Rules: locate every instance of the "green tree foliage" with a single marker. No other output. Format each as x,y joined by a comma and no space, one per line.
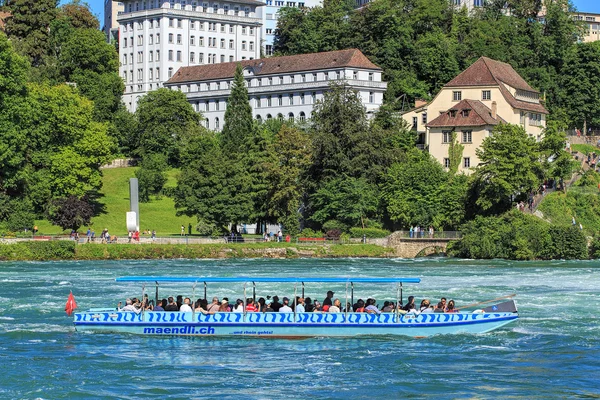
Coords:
238,124
411,190
70,212
345,199
557,161
292,148
29,26
151,176
164,117
455,152
509,166
79,15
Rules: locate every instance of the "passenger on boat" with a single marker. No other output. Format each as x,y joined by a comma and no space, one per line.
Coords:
201,306
359,306
268,308
224,307
286,306
185,307
130,307
387,306
439,308
300,305
443,301
214,306
179,301
410,306
308,305
275,304
239,306
317,307
348,307
250,307
171,306
261,305
451,307
425,307
336,307
371,308
327,301
160,305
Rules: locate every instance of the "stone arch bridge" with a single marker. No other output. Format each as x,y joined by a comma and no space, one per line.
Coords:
406,246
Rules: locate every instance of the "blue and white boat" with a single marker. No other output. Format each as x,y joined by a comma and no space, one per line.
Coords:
292,325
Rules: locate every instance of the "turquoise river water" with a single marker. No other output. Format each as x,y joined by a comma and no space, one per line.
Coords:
553,351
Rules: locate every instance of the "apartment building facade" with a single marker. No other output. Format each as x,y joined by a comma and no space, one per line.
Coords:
156,38
487,93
111,13
286,87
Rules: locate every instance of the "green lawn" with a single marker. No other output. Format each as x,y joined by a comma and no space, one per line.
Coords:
158,214
585,148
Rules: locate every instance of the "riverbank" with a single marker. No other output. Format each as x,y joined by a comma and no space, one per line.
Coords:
67,250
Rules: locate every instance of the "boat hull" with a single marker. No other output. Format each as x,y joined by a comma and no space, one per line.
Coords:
289,324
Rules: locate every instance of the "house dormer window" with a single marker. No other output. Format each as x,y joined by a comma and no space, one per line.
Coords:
452,113
465,113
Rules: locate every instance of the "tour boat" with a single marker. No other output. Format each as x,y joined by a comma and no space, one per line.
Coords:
292,325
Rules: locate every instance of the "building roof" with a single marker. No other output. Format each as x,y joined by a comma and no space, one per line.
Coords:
486,71
276,65
478,115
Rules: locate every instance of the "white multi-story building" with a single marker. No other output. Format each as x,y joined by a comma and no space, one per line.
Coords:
270,15
280,87
111,13
156,38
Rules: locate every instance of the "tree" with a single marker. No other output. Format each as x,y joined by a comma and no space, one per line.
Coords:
70,212
345,199
558,163
292,147
29,25
79,15
412,190
164,117
455,152
238,115
509,166
151,176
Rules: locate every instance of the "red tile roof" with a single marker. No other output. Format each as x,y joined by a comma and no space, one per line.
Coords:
478,115
488,72
276,65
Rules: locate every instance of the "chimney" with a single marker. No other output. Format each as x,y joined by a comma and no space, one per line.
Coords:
494,110
419,103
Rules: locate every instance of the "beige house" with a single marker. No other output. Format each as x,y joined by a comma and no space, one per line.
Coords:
471,104
591,31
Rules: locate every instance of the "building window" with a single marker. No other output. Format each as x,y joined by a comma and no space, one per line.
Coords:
170,55
192,40
371,97
269,50
192,57
222,28
291,117
201,41
140,75
140,57
193,25
171,22
231,29
243,45
206,123
446,163
446,136
140,40
522,119
222,58
158,38
457,96
170,38
280,100
302,98
371,76
467,136
151,39
150,74
179,41
314,97
157,55
302,116
125,42
179,23
251,31
230,58
314,77
467,162
231,44
355,75
124,59
424,118
251,46
414,124
170,72
486,94
222,43
217,105
268,101
291,99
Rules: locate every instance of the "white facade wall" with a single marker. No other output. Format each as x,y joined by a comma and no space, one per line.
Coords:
159,37
285,96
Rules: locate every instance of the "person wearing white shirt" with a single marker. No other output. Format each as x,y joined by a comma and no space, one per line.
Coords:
185,307
300,305
286,306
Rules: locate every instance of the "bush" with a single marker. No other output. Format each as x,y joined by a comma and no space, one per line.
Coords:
371,233
334,234
38,251
335,225
568,242
309,233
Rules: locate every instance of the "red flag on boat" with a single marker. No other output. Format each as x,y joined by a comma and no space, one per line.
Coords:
71,304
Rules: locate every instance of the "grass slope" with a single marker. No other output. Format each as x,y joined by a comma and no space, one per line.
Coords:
158,214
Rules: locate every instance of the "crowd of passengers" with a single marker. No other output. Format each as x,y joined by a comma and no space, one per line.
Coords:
301,305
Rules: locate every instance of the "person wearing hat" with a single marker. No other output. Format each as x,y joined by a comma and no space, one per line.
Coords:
224,306
328,301
286,306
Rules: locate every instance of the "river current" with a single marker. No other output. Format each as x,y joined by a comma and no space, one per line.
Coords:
552,351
